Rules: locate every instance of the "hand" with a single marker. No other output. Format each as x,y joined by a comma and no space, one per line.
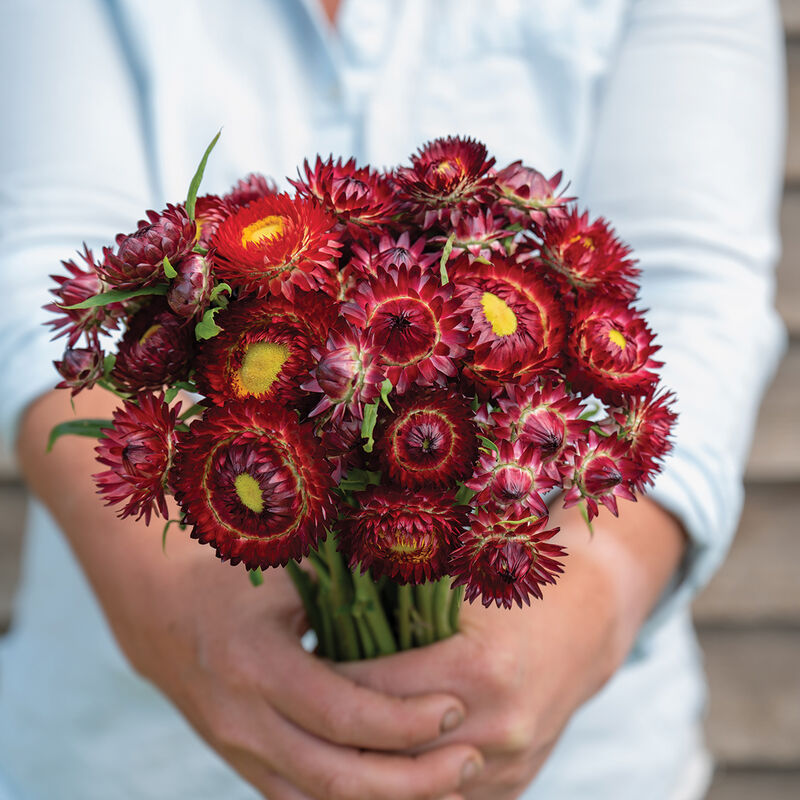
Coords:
523,672
229,655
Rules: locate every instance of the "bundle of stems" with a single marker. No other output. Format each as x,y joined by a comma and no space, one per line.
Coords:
356,617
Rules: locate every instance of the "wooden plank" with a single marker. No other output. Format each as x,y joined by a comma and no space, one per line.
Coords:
758,582
788,295
12,503
754,716
738,784
775,455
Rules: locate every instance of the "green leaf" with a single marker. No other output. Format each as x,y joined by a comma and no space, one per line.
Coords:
448,248
255,575
585,514
179,523
386,389
218,290
207,328
171,394
464,495
191,198
358,479
78,427
117,295
482,260
108,365
187,386
590,411
488,443
368,425
169,270
193,411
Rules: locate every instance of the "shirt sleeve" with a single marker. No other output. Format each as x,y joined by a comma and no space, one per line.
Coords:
73,168
688,164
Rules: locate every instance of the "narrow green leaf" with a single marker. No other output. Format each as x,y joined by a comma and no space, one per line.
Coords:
590,411
488,443
464,495
78,427
191,198
169,270
448,248
193,411
187,386
171,394
386,389
585,514
358,479
218,290
482,260
207,328
117,295
368,425
169,522
256,576
108,365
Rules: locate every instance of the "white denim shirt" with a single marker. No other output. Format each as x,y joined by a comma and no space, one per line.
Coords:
667,117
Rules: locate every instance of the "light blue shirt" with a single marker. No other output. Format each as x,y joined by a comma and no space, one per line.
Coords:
667,115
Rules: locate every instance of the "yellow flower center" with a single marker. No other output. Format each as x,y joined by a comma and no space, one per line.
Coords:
264,228
499,314
260,368
249,492
584,240
148,333
617,338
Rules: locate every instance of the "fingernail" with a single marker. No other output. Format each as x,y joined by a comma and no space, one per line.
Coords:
451,720
470,770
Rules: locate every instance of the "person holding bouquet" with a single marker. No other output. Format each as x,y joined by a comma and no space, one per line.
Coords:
134,675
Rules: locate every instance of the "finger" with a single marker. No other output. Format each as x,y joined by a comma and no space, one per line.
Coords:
313,695
331,772
272,786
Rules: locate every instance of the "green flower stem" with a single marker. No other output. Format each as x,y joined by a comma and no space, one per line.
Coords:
424,597
369,600
404,602
368,647
441,609
456,601
309,594
325,632
341,597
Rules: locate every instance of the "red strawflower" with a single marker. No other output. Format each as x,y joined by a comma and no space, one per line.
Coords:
587,256
156,349
347,373
511,477
253,187
80,285
254,483
278,245
526,194
189,292
516,321
139,258
340,438
80,368
139,450
371,259
446,174
505,563
428,440
610,350
210,212
359,197
479,233
645,424
416,323
603,472
263,351
406,536
544,416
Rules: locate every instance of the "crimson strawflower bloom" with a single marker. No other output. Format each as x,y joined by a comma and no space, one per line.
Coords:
139,258
252,187
263,351
253,482
517,323
278,245
587,256
156,350
603,471
139,450
445,174
358,197
80,285
525,194
645,424
416,323
404,535
512,477
610,349
390,251
428,440
505,563
210,212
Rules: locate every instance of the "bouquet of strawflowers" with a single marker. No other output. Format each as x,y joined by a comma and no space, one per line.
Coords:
389,370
